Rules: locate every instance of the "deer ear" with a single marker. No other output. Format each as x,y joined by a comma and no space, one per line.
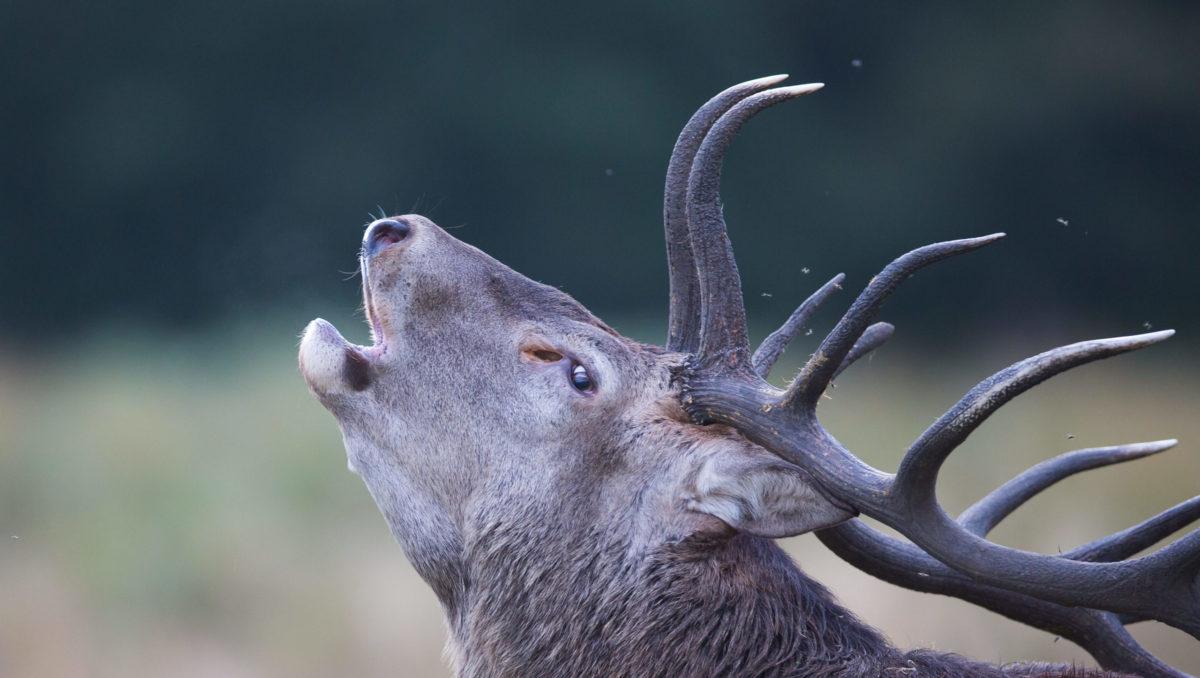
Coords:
758,493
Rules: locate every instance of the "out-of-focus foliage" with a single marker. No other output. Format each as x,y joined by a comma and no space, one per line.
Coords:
177,162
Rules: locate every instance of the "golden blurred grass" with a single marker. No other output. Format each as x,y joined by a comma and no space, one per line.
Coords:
181,507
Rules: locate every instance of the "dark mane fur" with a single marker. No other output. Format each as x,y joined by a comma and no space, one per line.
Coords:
727,606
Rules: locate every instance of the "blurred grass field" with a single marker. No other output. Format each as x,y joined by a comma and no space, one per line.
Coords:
181,507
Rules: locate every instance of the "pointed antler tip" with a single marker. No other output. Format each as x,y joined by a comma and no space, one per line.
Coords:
759,84
797,90
1153,337
968,244
1130,342
1139,450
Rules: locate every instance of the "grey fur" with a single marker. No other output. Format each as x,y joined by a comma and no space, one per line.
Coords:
569,533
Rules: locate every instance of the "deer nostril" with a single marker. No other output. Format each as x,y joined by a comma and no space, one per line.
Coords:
383,233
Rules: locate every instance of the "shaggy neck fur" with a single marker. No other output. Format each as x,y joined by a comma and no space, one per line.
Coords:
705,606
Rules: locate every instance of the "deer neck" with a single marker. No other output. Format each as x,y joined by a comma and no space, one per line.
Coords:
588,604
538,599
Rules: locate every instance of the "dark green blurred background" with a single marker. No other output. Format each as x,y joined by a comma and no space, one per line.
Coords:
184,185
177,164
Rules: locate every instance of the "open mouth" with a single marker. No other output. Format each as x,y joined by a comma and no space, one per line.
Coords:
378,338
382,234
329,362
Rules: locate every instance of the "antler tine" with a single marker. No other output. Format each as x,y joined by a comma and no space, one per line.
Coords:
683,329
1129,541
720,385
1101,634
820,369
872,338
1157,586
911,505
772,347
918,470
988,512
985,514
723,341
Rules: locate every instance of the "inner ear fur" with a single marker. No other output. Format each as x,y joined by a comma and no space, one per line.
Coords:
755,492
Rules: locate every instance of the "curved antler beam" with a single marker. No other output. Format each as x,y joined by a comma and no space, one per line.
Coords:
683,328
723,340
1157,586
720,384
899,562
1101,634
1153,585
919,468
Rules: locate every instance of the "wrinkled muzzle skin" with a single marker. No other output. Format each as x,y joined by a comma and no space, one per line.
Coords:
493,459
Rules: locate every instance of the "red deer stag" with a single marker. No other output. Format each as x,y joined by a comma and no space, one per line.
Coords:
587,505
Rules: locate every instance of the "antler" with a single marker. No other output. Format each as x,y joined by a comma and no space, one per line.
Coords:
723,341
1100,633
683,329
721,384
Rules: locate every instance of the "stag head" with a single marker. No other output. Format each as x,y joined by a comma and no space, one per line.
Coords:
490,398
493,414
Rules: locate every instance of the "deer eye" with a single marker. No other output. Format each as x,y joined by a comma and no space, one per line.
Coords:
580,379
